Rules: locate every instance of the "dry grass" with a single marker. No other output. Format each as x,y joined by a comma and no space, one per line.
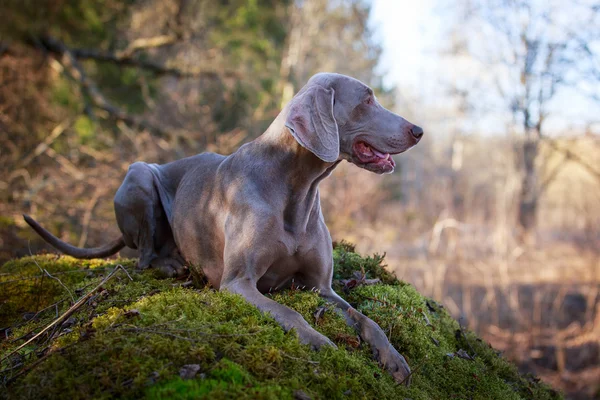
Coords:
540,308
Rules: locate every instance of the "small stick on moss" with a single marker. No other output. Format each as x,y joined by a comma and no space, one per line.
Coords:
414,371
35,364
68,313
45,271
299,359
126,273
55,305
465,336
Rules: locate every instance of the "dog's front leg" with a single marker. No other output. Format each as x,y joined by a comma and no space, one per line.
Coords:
250,250
318,274
370,332
286,317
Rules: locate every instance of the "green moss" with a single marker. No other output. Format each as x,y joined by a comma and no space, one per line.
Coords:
26,289
227,380
135,336
347,261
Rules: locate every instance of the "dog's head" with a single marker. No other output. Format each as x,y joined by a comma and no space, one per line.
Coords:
338,117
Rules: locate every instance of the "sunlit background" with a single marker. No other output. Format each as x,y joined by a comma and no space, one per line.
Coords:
496,213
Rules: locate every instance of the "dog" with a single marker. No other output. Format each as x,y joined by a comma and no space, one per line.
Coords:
251,222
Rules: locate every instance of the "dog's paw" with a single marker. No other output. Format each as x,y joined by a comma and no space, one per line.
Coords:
317,341
169,267
142,265
395,363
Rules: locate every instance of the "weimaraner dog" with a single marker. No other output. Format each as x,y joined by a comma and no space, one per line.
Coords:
251,222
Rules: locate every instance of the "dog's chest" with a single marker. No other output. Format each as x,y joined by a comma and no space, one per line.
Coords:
280,274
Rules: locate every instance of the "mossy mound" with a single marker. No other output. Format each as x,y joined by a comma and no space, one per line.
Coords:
157,339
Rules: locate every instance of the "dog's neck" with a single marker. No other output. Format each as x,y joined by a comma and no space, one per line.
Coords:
302,167
302,171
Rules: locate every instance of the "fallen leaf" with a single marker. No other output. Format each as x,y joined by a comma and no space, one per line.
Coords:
319,314
463,354
132,313
349,340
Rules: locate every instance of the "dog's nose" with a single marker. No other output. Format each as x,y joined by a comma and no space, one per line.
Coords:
417,132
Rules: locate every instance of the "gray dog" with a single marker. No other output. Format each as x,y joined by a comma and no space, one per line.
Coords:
251,222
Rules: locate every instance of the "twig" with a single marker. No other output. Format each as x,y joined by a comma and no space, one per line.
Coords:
414,371
48,274
69,312
299,359
126,273
465,336
55,305
36,363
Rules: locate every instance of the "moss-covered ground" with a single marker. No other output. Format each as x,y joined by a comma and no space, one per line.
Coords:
132,339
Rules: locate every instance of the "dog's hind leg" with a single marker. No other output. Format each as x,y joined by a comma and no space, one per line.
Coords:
144,222
136,207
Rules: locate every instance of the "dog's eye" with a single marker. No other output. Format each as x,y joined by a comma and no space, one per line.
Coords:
369,100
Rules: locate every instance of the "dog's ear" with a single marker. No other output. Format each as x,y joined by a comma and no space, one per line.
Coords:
311,122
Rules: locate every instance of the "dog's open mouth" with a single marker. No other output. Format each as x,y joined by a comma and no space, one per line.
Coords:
372,158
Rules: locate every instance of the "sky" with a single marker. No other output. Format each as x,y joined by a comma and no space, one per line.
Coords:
411,33
404,28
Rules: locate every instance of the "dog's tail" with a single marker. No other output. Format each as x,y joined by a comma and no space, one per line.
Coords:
97,252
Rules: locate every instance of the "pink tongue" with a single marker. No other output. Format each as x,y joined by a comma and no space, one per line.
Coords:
379,154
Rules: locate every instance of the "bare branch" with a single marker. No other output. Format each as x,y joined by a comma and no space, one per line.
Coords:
125,59
42,147
574,157
146,43
64,162
75,70
552,175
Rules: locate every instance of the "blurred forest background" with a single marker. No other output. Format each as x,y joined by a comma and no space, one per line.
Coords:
496,213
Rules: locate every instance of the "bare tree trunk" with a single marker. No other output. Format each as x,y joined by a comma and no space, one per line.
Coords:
528,196
303,28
